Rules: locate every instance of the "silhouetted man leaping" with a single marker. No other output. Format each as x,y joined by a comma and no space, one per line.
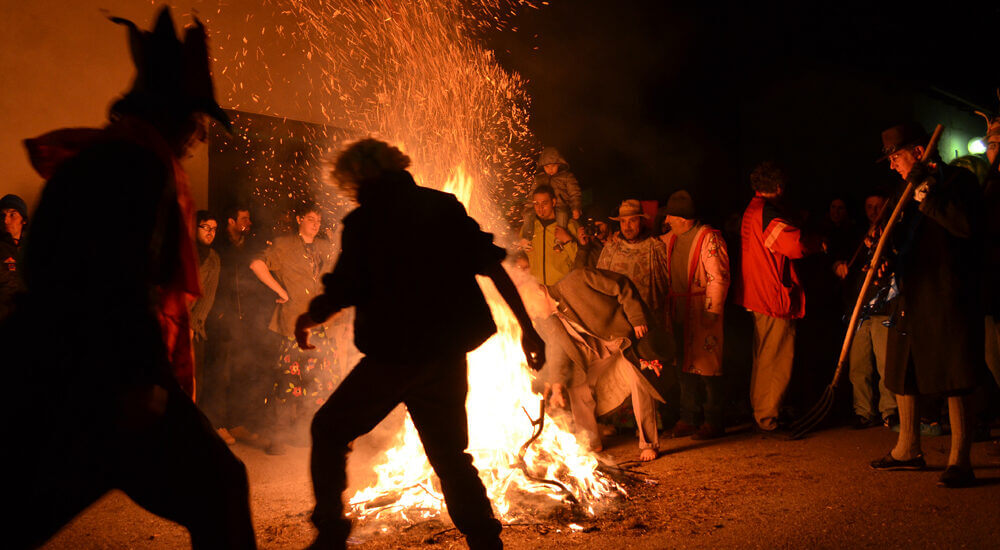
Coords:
419,310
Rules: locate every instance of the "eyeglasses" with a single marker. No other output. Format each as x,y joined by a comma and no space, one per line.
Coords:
209,228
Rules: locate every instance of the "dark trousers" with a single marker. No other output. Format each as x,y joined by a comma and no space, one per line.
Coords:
175,466
691,399
434,393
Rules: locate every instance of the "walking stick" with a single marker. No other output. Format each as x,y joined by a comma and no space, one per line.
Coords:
816,415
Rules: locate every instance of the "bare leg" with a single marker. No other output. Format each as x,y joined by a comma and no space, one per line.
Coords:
908,443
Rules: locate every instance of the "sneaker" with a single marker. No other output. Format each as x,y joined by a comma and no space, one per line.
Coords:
932,429
863,422
275,448
957,476
887,462
708,431
226,436
683,429
892,422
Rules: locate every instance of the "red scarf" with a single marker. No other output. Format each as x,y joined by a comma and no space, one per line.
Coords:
49,151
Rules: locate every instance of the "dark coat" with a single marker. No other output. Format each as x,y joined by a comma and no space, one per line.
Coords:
936,342
413,300
11,282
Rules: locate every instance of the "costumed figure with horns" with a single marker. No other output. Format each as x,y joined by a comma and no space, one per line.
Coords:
110,309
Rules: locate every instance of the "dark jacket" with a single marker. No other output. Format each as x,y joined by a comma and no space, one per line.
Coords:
991,203
11,281
564,183
414,299
936,342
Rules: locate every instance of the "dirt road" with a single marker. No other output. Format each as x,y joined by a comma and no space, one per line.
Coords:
745,490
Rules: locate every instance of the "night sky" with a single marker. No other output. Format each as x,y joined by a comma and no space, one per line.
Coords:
645,98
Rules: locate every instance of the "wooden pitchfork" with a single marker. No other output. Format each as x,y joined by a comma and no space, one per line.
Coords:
816,415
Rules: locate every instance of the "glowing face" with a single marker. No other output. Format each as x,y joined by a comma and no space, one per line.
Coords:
551,169
872,207
13,222
206,231
838,211
309,224
902,161
544,206
631,227
242,222
993,148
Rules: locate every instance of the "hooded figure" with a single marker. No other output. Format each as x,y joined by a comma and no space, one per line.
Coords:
553,171
111,368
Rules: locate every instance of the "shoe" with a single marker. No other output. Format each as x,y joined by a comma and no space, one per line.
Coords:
226,436
275,448
957,476
863,422
708,431
683,429
244,435
892,422
887,462
932,429
994,449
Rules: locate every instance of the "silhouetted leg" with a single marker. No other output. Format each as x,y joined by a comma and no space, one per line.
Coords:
180,469
367,395
437,408
55,474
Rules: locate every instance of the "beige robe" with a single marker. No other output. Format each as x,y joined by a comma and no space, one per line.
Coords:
708,284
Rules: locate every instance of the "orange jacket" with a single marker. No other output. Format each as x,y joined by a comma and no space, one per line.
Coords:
769,242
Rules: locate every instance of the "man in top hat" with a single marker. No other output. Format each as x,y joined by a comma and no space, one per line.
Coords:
935,343
699,281
991,201
109,309
15,220
769,287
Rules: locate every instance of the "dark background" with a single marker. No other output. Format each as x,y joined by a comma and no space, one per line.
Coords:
644,98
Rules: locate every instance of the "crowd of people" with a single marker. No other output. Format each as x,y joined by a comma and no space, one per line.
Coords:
917,345
164,368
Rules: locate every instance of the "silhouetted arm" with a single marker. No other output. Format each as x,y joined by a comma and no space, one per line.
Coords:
534,347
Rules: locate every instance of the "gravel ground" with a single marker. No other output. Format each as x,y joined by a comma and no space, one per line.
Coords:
744,490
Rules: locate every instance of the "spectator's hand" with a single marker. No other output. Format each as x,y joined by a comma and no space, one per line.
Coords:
524,244
302,326
840,269
534,348
920,193
562,236
581,236
282,296
641,331
576,213
708,318
919,173
556,396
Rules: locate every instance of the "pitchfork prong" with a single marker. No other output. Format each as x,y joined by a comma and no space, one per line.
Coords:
815,416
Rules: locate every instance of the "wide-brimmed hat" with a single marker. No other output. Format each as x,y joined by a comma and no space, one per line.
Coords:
172,73
680,204
901,137
629,209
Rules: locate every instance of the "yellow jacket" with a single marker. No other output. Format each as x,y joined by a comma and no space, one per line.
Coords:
547,264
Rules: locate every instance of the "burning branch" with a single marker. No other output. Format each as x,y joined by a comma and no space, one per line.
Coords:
539,425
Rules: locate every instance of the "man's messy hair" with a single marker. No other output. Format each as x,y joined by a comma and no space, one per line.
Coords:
767,177
366,160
